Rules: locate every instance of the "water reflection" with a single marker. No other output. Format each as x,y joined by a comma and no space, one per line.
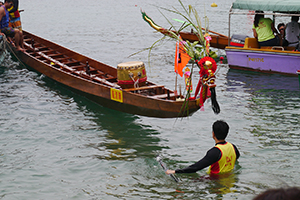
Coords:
113,136
223,183
124,137
272,111
204,187
217,186
118,135
274,106
192,186
261,82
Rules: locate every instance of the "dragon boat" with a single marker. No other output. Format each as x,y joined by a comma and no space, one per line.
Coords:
218,40
124,88
246,54
186,52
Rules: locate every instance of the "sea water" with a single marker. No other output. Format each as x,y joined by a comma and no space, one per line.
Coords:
56,144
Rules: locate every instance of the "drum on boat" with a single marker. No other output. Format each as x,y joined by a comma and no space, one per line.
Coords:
131,74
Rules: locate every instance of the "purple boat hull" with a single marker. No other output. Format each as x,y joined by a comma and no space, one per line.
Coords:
298,72
268,61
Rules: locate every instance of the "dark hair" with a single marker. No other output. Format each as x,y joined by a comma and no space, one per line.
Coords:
280,25
257,17
295,18
293,193
220,129
8,1
279,194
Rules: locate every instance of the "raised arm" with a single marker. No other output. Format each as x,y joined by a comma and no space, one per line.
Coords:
274,29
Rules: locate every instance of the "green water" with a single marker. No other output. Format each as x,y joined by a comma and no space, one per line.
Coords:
56,144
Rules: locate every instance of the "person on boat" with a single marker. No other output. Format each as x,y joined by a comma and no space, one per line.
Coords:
292,31
14,16
263,30
221,158
8,31
281,30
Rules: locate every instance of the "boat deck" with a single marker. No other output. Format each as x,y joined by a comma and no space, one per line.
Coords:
70,64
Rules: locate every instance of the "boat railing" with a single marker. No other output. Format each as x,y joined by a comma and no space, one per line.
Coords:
252,43
277,47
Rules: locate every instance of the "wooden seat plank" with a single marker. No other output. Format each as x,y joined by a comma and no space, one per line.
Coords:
144,88
164,96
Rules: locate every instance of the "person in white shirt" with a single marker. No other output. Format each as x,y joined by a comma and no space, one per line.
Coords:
292,31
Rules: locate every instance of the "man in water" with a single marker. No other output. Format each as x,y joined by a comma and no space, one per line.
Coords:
8,31
221,158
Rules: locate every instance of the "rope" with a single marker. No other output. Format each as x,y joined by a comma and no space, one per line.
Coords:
135,82
2,42
4,52
12,51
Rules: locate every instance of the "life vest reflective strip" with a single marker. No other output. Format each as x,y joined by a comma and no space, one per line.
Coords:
227,160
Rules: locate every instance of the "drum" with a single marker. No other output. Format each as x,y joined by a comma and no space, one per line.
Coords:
131,74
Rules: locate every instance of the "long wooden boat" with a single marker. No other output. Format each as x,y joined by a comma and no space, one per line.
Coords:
249,55
99,82
218,40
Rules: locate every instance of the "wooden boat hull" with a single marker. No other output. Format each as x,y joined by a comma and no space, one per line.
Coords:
263,60
105,93
217,41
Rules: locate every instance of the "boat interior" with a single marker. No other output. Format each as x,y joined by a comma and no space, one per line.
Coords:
90,70
246,42
252,43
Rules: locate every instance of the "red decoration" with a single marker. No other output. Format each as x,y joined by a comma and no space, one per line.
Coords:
204,71
208,67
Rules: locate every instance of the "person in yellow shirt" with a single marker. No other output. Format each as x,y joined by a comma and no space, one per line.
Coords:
220,159
264,29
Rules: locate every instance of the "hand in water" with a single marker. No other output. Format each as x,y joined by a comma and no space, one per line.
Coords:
170,172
